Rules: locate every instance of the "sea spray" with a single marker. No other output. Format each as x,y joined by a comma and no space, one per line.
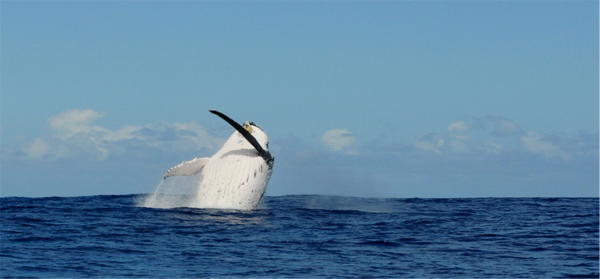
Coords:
172,193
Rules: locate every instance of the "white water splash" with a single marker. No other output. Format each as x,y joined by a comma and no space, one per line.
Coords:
172,193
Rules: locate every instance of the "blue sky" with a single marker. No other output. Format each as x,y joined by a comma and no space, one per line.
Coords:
372,99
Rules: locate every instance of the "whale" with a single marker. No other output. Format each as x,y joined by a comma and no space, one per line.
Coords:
236,176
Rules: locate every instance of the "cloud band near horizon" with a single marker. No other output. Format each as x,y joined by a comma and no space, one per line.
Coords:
72,134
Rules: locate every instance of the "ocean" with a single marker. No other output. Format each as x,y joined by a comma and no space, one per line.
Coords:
301,236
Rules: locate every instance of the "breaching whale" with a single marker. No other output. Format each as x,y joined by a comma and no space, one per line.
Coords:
236,176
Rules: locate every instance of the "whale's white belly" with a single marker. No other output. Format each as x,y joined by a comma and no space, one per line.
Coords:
235,179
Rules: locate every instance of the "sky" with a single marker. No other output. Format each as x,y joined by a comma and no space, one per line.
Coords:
389,99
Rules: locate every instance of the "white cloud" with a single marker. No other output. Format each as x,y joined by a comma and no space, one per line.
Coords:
37,149
71,122
492,147
199,136
504,127
429,146
457,137
73,134
338,139
534,143
124,133
460,126
453,140
458,145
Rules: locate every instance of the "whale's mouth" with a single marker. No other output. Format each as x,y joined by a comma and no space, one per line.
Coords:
245,131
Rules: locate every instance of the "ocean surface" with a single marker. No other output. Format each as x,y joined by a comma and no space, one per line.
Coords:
301,236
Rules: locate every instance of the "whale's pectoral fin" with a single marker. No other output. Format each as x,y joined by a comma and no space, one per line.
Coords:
263,153
188,167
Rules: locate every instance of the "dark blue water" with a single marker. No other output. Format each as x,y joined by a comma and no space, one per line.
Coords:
301,236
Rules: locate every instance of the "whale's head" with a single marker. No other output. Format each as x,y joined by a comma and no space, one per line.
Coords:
258,133
254,135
